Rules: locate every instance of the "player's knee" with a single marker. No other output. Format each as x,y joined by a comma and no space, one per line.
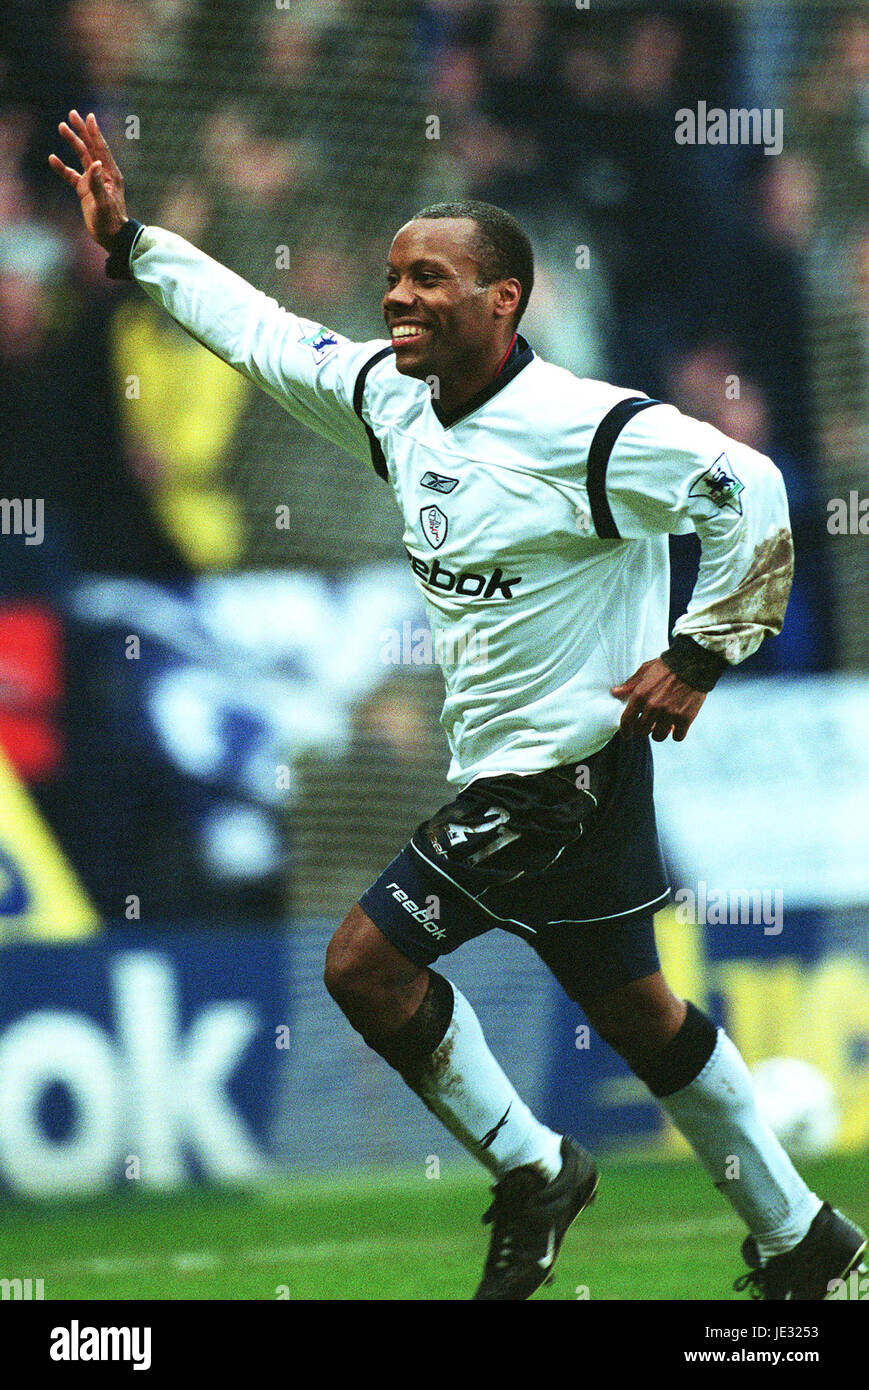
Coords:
348,975
363,973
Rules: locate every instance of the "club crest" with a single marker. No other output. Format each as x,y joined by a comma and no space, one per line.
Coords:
434,526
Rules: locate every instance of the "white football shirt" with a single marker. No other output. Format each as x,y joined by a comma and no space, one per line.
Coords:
543,560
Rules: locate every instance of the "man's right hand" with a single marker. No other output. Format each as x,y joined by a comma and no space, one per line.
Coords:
101,186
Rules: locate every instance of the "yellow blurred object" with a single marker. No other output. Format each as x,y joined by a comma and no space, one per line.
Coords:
207,526
816,1013
180,407
40,897
780,1008
683,961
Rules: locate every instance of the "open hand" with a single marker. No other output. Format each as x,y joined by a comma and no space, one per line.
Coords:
101,186
657,703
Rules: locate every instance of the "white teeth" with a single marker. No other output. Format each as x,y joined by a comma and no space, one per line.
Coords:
407,330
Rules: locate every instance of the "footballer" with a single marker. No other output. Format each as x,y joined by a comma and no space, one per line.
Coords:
537,507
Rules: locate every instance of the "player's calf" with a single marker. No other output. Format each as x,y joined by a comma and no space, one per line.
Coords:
439,1049
639,1020
797,1244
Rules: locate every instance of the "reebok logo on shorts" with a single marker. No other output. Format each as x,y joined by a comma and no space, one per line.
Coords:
419,914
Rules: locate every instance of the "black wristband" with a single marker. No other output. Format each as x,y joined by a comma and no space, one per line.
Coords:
693,664
118,263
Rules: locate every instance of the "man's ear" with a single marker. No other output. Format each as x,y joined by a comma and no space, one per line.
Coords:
509,292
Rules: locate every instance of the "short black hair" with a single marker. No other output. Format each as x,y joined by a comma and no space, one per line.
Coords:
502,248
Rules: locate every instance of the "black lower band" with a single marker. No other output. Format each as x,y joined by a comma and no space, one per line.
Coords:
118,263
410,1048
694,665
684,1057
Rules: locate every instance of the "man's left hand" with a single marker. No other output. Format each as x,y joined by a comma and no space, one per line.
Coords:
658,703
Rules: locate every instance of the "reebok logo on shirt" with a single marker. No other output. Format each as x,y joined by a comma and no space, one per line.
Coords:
467,582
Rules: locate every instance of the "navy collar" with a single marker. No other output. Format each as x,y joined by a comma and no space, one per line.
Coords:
518,357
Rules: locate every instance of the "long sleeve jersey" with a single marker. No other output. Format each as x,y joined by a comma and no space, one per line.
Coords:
536,518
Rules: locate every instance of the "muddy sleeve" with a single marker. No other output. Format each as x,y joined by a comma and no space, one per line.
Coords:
670,473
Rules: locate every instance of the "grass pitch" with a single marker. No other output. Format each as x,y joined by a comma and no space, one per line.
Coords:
658,1230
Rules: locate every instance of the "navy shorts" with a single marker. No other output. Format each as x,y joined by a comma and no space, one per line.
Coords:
568,859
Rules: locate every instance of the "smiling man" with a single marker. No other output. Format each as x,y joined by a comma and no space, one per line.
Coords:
537,508
455,290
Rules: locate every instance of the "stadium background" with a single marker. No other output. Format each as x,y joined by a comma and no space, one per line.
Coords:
208,748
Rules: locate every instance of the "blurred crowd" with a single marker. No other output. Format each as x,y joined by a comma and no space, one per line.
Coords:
290,140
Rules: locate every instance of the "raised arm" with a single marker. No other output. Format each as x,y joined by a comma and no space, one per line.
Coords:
310,370
99,184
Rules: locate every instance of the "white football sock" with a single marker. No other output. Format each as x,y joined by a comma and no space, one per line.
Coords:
467,1090
718,1116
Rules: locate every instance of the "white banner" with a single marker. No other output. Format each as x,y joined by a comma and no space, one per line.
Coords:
771,787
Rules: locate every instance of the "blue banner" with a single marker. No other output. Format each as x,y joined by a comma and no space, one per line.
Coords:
141,1057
